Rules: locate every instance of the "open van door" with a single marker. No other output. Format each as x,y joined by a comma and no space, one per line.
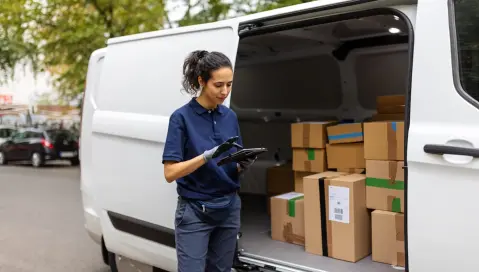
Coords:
140,87
443,146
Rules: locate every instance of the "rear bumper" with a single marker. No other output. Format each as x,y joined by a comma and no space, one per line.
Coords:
51,155
91,218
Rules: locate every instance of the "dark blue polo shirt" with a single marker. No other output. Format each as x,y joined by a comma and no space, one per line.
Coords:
192,130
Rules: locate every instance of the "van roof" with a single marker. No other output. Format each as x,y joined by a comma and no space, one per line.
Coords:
270,14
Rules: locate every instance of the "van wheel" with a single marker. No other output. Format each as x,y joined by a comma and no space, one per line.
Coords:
37,160
3,159
112,262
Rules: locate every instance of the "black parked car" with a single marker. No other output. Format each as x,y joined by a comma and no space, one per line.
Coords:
39,146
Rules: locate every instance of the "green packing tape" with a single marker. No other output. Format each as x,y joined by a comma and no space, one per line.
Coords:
292,206
385,183
396,207
311,156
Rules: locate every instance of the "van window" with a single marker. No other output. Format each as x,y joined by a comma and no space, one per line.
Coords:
5,132
467,30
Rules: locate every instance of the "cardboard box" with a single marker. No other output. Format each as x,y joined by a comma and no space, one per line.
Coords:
309,160
287,218
388,237
298,180
388,117
280,179
350,155
390,100
345,133
384,141
309,134
385,185
337,222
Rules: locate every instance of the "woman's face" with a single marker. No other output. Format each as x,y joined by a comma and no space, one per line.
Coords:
218,87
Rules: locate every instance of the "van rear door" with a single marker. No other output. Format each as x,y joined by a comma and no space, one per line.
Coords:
443,146
140,88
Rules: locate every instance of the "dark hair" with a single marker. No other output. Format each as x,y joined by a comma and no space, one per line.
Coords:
201,63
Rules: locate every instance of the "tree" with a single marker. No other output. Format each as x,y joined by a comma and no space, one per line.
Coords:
214,10
68,31
15,44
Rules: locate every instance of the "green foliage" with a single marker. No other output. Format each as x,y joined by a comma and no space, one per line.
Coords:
68,31
15,45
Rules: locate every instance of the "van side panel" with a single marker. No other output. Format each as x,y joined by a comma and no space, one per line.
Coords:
140,87
90,207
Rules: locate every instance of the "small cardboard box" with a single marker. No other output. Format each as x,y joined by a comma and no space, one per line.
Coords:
287,218
309,134
384,141
350,155
385,185
309,160
337,222
388,237
280,179
385,101
298,180
345,133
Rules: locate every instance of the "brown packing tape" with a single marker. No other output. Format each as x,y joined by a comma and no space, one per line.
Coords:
307,166
290,237
392,141
400,259
390,200
306,132
400,255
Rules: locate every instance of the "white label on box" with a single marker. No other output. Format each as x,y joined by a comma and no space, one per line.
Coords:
339,204
290,195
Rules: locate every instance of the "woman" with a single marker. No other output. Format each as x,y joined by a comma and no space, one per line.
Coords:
207,217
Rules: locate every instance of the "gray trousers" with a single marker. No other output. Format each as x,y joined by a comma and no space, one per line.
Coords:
202,245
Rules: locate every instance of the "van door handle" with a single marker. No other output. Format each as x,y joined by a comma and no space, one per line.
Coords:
451,150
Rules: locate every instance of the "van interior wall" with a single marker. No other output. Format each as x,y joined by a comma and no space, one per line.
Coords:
282,87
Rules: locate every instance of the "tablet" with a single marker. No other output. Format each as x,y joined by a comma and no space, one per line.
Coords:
242,155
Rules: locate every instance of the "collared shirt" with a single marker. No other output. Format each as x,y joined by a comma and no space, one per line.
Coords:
192,130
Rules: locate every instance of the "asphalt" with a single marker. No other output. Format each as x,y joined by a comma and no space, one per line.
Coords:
41,222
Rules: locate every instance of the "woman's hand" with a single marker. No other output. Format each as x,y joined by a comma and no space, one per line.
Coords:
176,170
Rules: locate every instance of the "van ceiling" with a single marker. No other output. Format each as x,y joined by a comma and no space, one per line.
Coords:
331,34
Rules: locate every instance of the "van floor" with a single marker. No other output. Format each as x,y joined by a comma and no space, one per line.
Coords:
256,240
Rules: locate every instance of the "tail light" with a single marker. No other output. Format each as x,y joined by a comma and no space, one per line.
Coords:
47,144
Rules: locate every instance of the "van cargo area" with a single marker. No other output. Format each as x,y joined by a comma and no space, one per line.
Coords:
353,71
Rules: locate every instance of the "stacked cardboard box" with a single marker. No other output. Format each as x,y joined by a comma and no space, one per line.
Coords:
384,154
279,180
308,140
287,218
390,108
345,149
337,222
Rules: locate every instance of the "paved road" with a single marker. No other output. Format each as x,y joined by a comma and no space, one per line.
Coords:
41,222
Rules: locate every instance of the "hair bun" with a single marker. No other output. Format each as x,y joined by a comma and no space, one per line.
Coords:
202,54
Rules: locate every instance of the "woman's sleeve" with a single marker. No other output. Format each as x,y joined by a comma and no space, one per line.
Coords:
175,140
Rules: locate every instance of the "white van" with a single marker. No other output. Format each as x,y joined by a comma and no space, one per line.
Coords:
314,61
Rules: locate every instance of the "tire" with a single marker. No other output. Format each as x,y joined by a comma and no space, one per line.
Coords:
37,160
112,262
75,162
3,159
